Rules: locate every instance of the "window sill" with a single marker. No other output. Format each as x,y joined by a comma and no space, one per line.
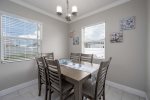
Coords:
99,58
7,61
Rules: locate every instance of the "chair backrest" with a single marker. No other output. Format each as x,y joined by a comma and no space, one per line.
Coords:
54,74
41,69
101,78
86,58
75,57
49,56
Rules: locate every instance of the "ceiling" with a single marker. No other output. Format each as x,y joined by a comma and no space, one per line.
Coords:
85,7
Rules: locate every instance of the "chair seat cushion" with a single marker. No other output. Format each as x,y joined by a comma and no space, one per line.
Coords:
89,87
66,86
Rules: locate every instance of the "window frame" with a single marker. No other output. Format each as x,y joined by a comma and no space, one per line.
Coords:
2,13
83,38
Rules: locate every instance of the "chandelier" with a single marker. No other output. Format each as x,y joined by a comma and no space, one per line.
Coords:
68,16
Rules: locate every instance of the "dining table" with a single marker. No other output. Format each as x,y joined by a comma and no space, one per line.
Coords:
77,74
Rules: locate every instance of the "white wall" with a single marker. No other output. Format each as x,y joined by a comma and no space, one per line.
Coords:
148,70
55,39
128,66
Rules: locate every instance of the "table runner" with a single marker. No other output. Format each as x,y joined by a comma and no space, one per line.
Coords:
82,67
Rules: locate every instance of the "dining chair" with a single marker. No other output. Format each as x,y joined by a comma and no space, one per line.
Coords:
56,81
42,75
75,57
94,89
49,56
86,58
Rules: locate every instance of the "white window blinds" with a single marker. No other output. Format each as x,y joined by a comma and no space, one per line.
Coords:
20,38
94,40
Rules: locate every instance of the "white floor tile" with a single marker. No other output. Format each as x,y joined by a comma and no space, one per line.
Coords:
106,88
127,96
1,98
25,90
31,93
10,96
27,96
113,94
141,98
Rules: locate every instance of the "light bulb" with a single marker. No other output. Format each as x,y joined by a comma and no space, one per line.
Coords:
59,10
69,15
74,9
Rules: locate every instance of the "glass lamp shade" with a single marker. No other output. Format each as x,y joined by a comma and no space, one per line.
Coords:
68,17
59,10
74,10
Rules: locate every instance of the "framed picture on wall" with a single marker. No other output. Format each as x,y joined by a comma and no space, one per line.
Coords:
116,37
127,23
76,40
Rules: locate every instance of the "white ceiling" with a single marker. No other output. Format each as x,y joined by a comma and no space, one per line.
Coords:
85,7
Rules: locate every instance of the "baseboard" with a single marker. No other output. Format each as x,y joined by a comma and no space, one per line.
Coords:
116,85
127,89
17,87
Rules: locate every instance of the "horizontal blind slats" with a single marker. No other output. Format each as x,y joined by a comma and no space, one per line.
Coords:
94,40
20,39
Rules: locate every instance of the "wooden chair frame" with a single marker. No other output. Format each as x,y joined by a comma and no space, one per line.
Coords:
100,81
42,75
75,57
86,58
55,78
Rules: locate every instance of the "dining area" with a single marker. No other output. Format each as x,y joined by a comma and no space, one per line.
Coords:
74,49
76,77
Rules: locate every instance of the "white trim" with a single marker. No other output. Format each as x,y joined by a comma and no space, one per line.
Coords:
1,49
17,87
38,10
83,38
2,12
127,89
114,4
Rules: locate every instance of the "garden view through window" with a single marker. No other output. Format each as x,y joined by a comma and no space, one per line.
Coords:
20,38
93,38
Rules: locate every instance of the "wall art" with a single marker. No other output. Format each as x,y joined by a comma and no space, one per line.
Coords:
127,23
116,37
76,40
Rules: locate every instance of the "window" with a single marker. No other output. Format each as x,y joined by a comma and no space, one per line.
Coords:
93,40
20,38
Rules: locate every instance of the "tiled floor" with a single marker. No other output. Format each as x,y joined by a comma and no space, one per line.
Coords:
31,93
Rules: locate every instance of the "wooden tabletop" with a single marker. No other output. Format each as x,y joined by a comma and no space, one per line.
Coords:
75,74
78,76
